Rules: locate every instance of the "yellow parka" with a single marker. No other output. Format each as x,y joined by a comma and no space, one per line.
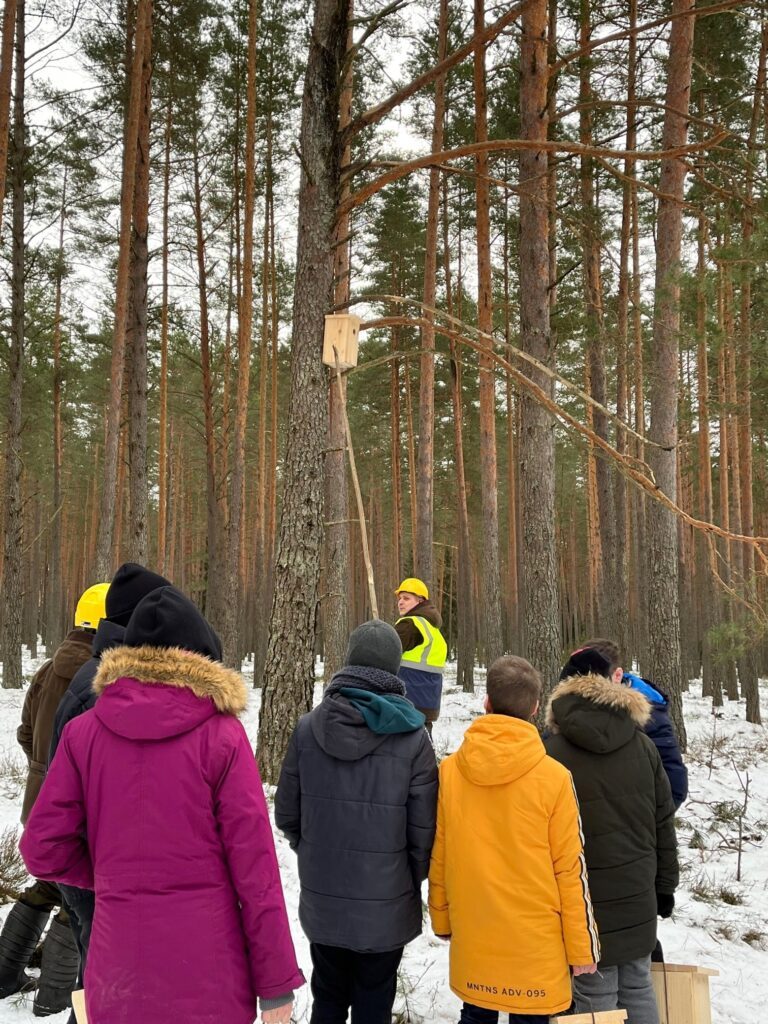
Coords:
508,879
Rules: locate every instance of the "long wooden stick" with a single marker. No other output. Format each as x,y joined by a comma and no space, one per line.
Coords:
358,493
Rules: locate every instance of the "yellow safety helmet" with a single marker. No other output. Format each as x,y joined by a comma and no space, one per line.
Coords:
413,586
92,606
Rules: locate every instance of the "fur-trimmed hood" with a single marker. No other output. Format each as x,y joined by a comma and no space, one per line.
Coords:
172,666
595,713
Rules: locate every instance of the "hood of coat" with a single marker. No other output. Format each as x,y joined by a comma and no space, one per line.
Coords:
108,634
74,651
595,713
498,749
344,730
153,693
384,713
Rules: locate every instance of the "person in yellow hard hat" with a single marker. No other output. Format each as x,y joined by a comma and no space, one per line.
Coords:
424,648
27,919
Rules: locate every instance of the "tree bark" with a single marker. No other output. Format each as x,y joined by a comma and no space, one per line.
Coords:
213,511
493,638
465,598
711,685
231,607
397,475
104,544
748,668
6,73
423,551
336,598
289,670
14,510
136,339
55,625
605,553
162,458
537,439
664,606
621,495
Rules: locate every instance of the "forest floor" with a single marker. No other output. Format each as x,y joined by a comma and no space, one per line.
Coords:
721,916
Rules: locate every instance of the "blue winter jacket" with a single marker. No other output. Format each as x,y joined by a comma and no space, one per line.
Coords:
662,732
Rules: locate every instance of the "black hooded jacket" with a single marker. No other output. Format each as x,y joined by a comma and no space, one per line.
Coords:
80,697
360,808
627,812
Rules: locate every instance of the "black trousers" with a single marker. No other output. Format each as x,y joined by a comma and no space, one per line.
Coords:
343,978
81,904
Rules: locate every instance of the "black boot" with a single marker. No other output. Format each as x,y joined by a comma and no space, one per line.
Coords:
18,941
58,973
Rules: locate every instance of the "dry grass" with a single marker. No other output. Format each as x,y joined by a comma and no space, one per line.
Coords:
13,873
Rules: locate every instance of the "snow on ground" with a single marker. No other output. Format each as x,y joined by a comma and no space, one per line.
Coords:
721,917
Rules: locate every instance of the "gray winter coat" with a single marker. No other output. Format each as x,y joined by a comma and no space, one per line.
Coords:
359,807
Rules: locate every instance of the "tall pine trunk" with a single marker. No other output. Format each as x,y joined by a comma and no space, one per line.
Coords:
664,604
14,510
6,74
423,554
337,597
214,543
537,436
136,340
605,552
289,670
108,512
55,625
232,606
162,456
465,597
493,638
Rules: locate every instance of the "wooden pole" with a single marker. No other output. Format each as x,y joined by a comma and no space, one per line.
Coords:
358,494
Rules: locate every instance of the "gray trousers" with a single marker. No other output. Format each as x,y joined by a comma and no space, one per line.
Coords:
626,987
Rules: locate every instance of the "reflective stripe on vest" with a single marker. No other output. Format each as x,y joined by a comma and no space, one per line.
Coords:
432,653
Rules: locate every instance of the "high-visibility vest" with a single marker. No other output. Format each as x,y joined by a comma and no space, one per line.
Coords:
432,653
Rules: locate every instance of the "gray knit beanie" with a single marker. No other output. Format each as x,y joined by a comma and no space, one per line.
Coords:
377,645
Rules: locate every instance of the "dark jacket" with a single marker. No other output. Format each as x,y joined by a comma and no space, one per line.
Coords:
40,704
80,696
661,730
360,808
627,813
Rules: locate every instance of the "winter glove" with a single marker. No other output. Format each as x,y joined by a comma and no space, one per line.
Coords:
665,904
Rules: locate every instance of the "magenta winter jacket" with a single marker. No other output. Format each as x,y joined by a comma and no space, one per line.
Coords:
154,800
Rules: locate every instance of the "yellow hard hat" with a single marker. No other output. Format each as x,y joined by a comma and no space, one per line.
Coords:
92,606
413,586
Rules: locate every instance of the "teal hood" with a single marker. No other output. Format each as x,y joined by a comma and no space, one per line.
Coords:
384,713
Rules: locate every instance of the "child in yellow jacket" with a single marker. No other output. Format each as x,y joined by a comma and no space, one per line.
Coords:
508,882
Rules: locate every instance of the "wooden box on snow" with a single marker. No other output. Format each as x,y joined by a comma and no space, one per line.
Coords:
603,1017
684,989
342,331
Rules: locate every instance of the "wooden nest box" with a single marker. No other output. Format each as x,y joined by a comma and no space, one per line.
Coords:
682,993
342,331
601,1017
